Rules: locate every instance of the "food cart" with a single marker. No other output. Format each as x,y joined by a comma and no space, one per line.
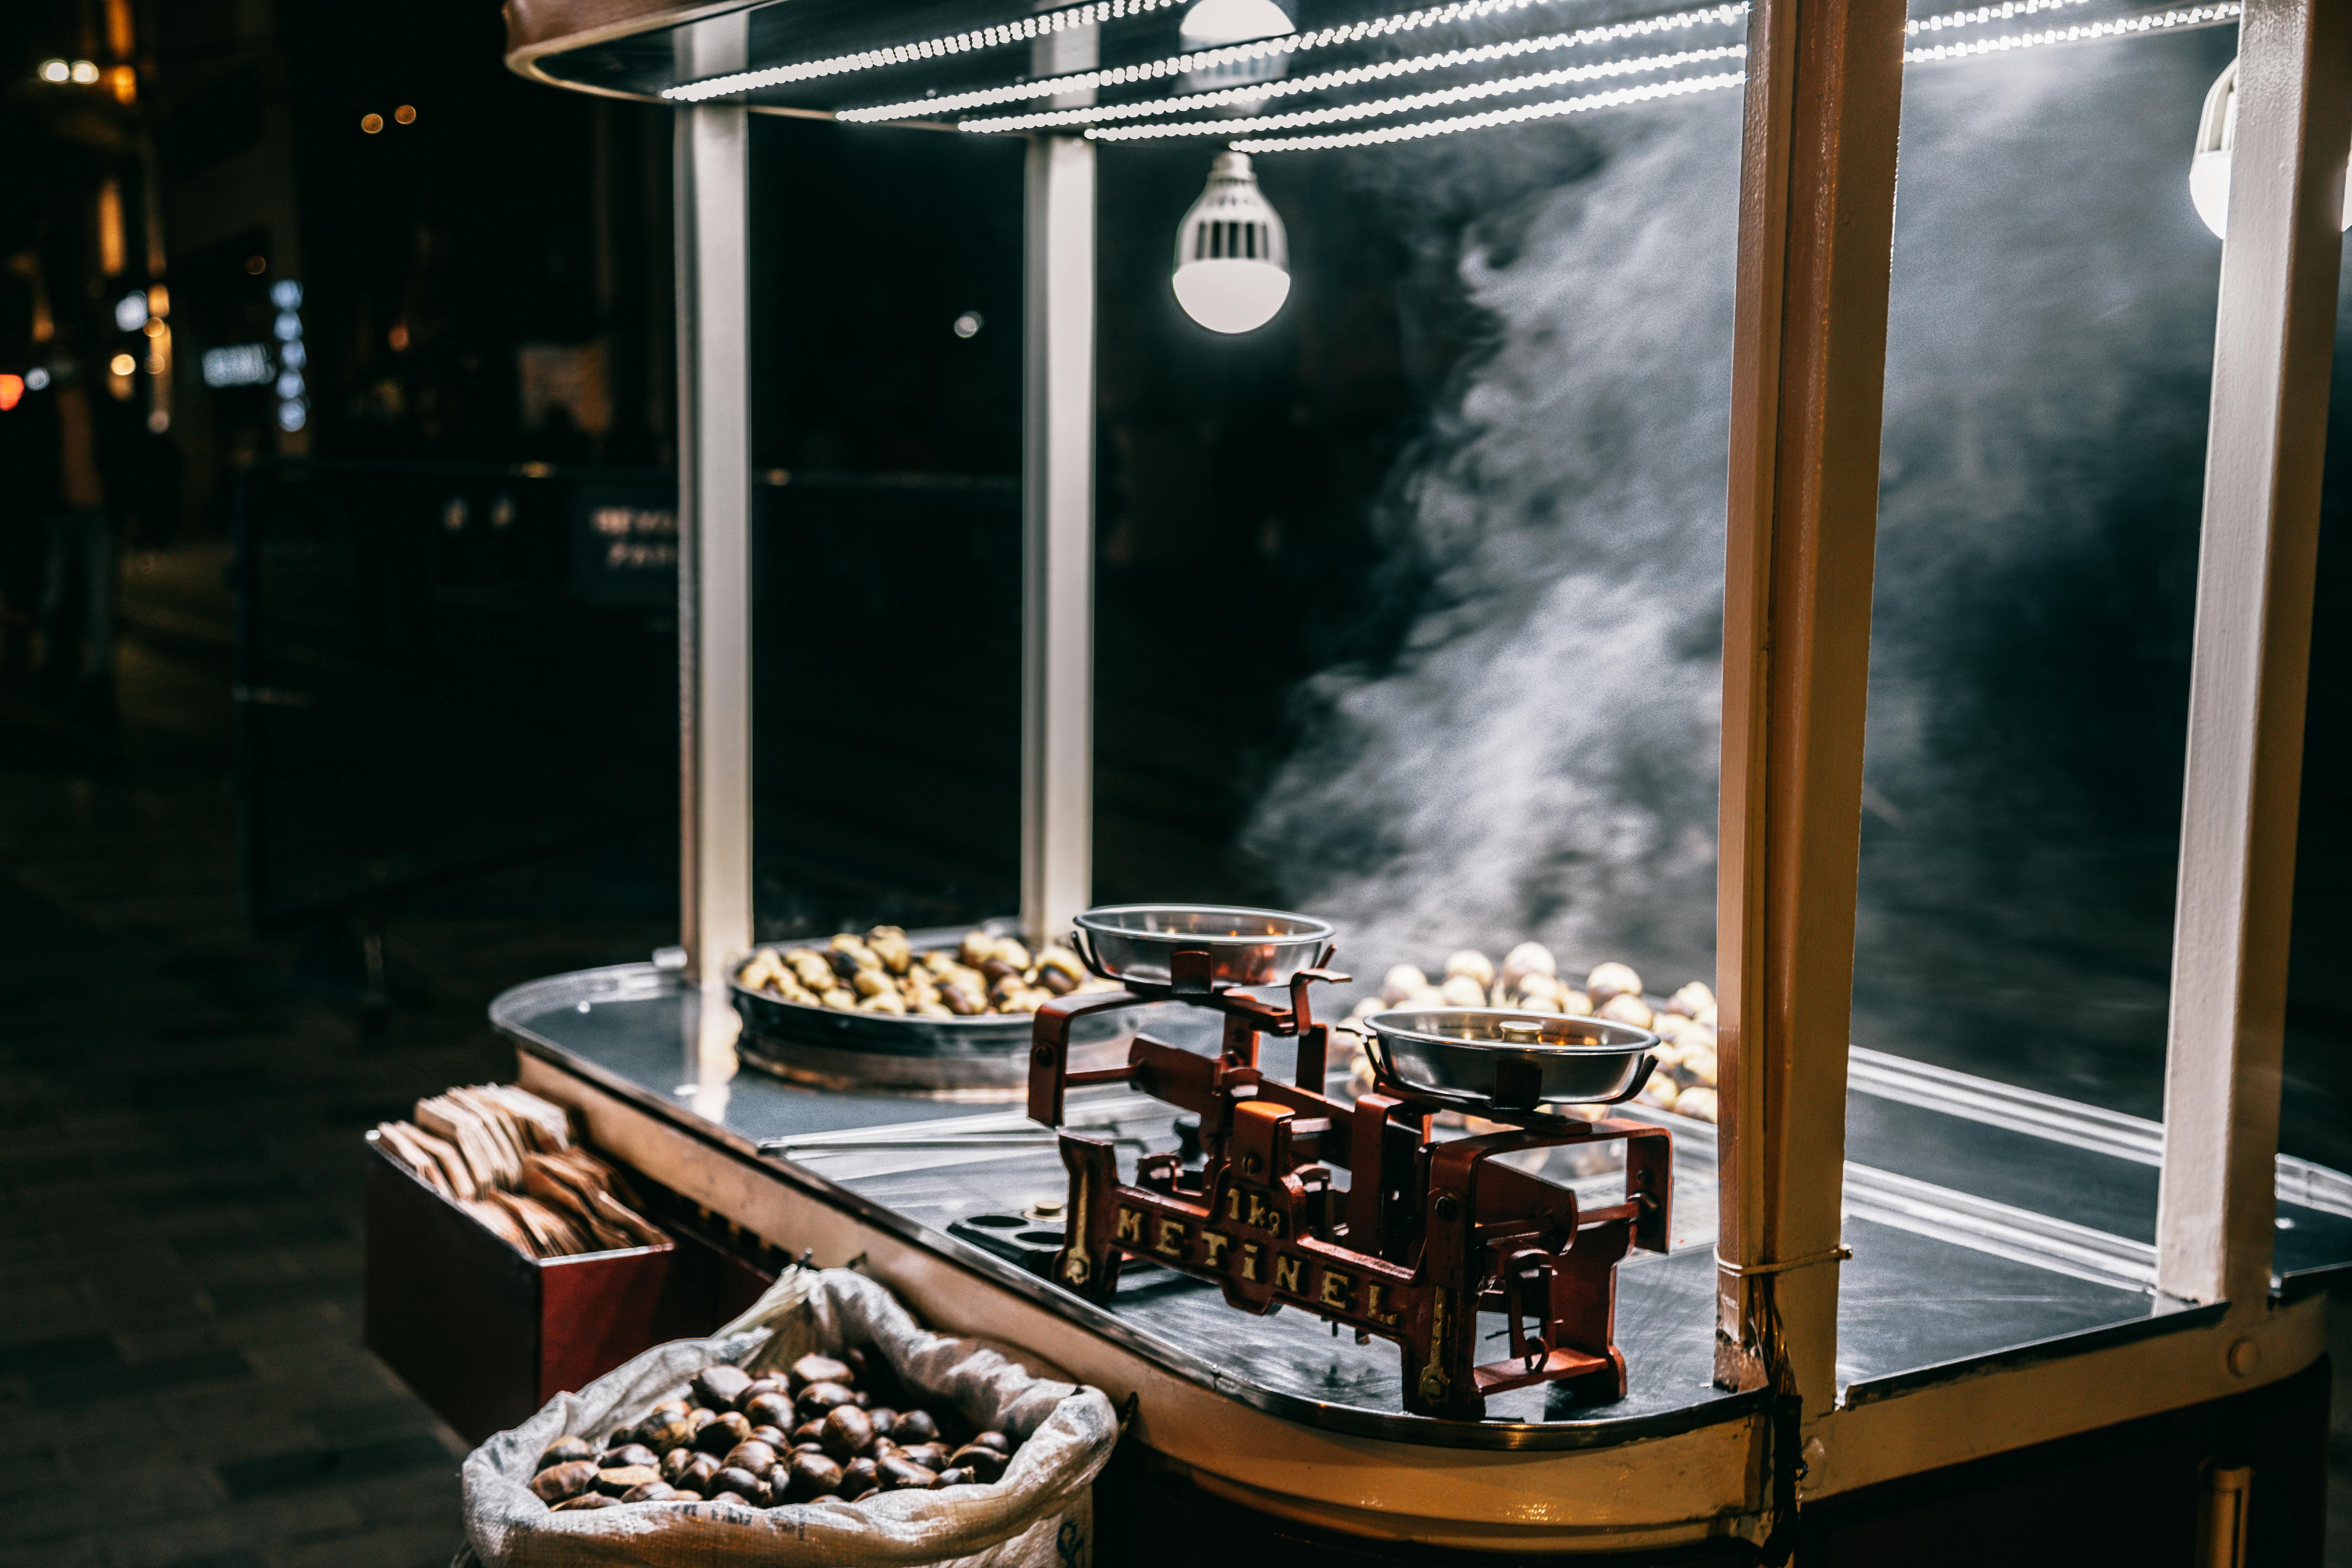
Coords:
1902,1309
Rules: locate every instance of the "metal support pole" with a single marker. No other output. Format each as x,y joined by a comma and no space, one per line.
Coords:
714,577
1058,482
2273,340
1816,237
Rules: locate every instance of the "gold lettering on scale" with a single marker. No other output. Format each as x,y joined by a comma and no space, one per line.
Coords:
1233,1202
1249,1259
1214,1244
1376,1301
1285,1274
1131,1226
1167,1240
1333,1292
1262,1217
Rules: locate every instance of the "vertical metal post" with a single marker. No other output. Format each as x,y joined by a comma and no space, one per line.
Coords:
714,579
2273,343
1057,481
1816,237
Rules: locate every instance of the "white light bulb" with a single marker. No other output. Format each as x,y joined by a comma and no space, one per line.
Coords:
130,310
2217,139
57,71
1218,24
1233,259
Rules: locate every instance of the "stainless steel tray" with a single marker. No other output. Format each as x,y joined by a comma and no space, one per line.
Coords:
1246,946
980,1057
1503,1058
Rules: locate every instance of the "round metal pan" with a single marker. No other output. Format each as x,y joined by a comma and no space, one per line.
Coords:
1246,946
1461,1055
981,1057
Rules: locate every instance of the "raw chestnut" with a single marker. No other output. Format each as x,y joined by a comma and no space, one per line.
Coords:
862,1399
567,1479
652,1491
808,1432
750,1487
885,1419
898,1476
857,1478
770,1410
956,1478
819,1398
613,1458
587,1500
759,1387
811,1475
930,1455
666,1429
821,1369
686,1497
565,1450
674,1463
996,1440
774,1436
754,1456
697,1418
701,1472
722,1434
614,1479
847,1433
718,1386
915,1426
985,1463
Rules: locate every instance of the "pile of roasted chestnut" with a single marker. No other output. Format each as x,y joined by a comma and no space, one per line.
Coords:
765,1441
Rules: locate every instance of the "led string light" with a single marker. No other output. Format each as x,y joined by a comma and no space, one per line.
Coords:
2088,32
1241,54
2008,11
1036,27
1407,104
1520,115
1354,76
2084,32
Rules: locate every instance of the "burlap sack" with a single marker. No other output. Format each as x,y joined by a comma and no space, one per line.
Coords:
1039,1515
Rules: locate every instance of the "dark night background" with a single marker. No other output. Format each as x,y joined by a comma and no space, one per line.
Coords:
370,701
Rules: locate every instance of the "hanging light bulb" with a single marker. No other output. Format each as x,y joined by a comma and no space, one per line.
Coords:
1233,260
1215,23
2217,138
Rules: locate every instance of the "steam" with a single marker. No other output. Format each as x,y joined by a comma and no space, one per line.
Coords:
1539,758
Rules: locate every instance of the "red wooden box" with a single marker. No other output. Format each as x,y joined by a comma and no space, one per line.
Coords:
485,1335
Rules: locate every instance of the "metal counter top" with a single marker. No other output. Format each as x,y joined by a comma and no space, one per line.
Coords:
1988,1224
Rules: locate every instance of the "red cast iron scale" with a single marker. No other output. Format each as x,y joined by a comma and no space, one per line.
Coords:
1426,1235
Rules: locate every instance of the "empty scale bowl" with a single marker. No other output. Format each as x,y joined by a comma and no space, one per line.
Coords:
1246,946
1505,1060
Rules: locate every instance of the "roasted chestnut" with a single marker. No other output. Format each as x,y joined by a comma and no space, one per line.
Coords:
915,1427
956,1478
766,1383
718,1386
775,1437
567,1479
675,1464
666,1427
847,1433
812,1476
565,1450
652,1491
702,1473
697,1418
857,1478
996,1440
812,1431
885,1419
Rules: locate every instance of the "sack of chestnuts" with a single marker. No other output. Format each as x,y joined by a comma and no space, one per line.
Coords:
769,1440
826,1426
